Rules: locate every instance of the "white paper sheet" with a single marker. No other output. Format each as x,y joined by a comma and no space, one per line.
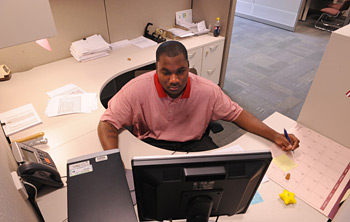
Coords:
180,32
68,89
143,42
120,44
20,118
68,104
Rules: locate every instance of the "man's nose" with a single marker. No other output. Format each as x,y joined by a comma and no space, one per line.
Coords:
173,78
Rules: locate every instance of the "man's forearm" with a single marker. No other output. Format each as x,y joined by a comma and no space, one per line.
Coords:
108,135
250,123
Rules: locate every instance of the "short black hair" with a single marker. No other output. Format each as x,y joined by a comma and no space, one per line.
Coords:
171,49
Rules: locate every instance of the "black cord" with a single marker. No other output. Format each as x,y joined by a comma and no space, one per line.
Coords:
217,219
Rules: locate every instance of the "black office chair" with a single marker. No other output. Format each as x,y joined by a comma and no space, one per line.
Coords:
329,19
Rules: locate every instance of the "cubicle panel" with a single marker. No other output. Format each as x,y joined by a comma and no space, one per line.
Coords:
12,205
74,20
209,10
245,6
286,5
127,19
275,15
283,14
327,105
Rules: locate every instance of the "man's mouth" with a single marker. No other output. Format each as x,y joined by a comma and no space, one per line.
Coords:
174,88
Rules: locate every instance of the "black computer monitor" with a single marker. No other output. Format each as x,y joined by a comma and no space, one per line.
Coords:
197,186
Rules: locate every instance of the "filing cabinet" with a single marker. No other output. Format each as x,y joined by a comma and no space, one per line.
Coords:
207,60
195,59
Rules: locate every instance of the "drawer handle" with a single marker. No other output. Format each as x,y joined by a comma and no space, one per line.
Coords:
210,71
212,48
191,55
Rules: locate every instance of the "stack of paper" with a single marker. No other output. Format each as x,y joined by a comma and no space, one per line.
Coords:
184,19
70,99
90,48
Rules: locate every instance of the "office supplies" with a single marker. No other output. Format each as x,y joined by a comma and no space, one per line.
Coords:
40,175
286,135
284,162
90,48
288,176
97,188
19,118
288,197
32,140
5,73
157,38
322,172
24,153
35,166
69,104
198,186
184,19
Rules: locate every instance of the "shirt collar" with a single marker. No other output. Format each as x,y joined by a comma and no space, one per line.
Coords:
163,94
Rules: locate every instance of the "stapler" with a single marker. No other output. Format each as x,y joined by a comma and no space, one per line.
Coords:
35,139
153,36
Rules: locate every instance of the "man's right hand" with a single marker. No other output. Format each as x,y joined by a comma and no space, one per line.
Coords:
108,135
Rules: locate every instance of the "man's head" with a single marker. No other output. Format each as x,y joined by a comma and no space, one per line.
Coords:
172,67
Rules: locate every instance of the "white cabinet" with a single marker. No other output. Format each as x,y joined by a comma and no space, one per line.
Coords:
207,60
211,61
195,59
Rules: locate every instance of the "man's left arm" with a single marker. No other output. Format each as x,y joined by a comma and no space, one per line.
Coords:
250,123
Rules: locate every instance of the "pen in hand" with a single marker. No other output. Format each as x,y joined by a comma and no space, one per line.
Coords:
286,135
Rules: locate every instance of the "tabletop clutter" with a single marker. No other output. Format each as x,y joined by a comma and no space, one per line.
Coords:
90,48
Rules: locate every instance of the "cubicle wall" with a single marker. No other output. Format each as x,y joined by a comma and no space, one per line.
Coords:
122,25
327,105
74,20
115,20
282,14
12,205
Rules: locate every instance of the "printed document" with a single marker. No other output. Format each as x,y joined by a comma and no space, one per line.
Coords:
19,119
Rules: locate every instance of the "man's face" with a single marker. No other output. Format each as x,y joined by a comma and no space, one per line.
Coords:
173,74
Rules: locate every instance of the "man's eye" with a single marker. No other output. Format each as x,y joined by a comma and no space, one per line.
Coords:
181,71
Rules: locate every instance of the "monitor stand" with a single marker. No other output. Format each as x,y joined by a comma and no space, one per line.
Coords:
199,209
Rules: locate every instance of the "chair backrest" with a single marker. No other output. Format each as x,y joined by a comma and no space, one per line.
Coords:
345,6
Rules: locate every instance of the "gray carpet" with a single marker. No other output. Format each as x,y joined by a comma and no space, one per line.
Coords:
270,69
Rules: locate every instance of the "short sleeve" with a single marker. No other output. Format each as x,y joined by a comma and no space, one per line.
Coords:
225,108
119,111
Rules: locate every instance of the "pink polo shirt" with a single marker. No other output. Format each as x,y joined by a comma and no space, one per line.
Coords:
143,103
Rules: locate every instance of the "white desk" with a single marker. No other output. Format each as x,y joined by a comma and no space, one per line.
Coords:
75,135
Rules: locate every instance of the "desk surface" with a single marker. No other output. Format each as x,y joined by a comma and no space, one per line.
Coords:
75,135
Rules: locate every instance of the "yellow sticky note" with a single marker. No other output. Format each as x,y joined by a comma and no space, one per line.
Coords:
284,162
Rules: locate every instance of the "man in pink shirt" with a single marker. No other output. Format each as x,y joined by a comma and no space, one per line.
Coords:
171,108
